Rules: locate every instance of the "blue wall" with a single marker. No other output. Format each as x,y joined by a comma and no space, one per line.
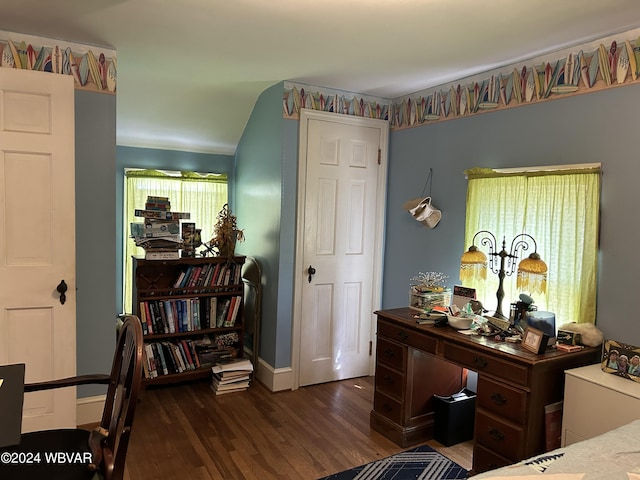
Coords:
263,170
130,157
595,127
95,140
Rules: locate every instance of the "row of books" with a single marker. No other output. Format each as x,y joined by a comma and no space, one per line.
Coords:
166,358
188,314
157,203
209,275
162,215
231,376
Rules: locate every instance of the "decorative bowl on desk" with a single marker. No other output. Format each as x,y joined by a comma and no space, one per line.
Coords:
460,322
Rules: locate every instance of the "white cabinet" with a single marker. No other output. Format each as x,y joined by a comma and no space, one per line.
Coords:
596,402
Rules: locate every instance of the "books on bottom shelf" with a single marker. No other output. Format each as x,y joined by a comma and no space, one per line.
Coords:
231,376
166,358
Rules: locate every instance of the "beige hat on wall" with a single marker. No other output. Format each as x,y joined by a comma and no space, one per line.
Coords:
423,211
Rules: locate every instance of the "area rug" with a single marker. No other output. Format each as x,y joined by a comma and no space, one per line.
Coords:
422,463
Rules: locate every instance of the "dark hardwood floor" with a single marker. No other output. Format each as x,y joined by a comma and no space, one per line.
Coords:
186,432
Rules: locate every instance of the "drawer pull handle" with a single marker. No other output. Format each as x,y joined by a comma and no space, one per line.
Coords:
388,379
498,399
496,434
402,335
387,407
388,352
480,362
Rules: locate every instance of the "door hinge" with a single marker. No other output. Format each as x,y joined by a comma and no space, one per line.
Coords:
379,156
370,348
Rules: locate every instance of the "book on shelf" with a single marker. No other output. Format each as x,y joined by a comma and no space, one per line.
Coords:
157,207
143,320
234,308
144,307
162,215
210,355
211,311
162,255
154,227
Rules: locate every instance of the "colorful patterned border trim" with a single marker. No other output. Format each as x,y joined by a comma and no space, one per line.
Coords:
297,96
92,68
607,65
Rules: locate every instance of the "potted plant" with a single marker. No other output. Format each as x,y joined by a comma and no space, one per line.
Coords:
226,233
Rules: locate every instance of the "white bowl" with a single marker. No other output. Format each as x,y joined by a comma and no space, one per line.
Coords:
460,323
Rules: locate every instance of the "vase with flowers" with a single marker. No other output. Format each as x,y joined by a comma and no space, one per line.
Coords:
226,233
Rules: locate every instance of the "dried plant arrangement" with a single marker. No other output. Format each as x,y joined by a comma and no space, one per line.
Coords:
226,233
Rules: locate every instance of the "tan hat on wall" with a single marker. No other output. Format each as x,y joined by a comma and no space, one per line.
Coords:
423,211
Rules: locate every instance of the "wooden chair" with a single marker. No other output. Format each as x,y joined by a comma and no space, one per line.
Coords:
106,445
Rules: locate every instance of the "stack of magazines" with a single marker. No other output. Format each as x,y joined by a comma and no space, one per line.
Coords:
231,376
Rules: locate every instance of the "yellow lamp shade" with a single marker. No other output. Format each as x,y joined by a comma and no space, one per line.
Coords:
473,264
532,274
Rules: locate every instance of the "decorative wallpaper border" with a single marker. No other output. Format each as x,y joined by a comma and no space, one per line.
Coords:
298,95
606,63
609,65
93,68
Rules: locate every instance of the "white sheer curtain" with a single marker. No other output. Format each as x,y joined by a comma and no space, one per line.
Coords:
202,195
560,210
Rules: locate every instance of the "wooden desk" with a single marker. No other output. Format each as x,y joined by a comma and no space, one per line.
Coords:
414,362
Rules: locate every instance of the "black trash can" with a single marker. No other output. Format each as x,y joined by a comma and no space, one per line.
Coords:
454,417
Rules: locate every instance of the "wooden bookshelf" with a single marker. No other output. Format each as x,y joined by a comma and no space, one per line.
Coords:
183,302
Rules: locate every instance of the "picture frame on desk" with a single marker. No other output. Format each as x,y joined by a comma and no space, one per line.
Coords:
535,340
621,359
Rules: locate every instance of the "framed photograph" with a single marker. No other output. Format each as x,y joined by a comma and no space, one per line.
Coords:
621,359
535,340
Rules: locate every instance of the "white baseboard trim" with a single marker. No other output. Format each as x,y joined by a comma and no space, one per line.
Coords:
89,409
275,379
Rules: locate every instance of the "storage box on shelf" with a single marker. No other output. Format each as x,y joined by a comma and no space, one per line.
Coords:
191,311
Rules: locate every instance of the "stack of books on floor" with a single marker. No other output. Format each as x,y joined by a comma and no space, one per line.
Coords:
231,376
159,234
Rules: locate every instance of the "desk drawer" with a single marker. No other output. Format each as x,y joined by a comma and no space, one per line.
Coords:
388,407
411,338
502,400
389,382
499,437
480,363
484,460
392,354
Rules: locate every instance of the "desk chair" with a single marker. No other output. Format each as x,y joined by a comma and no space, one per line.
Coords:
106,444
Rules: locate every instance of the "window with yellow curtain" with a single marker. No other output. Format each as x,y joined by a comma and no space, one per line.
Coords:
201,194
560,210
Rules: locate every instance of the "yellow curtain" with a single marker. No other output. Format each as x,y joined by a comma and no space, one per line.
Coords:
202,195
560,209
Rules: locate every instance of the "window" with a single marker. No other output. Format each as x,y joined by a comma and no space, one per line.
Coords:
560,209
202,195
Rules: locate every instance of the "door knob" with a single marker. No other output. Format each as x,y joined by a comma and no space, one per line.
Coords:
311,271
62,288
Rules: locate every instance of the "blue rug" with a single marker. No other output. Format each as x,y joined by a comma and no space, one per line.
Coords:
422,463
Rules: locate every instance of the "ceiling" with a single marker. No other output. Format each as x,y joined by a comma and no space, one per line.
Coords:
190,71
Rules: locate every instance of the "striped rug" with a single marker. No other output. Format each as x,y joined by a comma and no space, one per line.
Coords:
422,463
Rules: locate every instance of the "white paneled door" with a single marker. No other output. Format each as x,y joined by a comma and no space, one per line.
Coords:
338,267
37,232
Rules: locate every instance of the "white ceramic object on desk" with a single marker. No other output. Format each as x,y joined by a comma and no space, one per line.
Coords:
460,323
